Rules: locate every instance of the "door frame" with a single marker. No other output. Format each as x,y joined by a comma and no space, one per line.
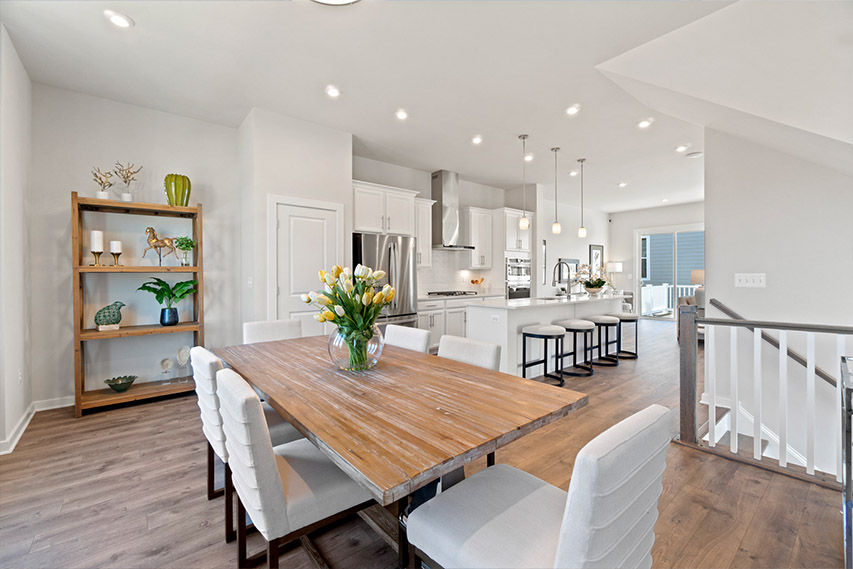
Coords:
638,233
273,201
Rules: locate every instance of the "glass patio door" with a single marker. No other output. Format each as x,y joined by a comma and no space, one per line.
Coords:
667,264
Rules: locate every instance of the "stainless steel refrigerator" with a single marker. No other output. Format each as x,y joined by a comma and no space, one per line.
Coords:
395,255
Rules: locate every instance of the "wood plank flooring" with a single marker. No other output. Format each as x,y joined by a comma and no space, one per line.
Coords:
126,488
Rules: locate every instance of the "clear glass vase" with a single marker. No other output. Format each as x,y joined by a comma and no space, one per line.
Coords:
356,350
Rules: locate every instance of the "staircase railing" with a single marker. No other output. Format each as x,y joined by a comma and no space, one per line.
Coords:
738,417
847,459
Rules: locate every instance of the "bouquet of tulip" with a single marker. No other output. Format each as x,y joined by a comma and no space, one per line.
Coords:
351,300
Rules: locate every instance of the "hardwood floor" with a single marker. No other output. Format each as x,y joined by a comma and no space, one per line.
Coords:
126,488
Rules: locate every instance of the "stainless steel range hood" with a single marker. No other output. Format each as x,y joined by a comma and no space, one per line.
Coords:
446,226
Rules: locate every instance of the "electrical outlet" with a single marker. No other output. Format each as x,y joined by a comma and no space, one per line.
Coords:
250,282
496,318
20,377
750,280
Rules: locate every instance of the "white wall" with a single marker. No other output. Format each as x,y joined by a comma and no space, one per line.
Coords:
72,133
368,170
623,225
567,243
291,157
774,213
15,133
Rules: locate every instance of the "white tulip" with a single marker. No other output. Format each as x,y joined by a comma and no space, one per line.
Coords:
339,310
305,298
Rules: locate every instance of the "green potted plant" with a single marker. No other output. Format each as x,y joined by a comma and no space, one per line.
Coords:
594,286
169,295
185,244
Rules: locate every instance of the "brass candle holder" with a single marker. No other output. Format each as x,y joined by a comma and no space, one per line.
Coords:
97,255
115,259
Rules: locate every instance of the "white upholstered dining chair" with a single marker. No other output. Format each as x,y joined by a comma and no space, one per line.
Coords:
408,338
504,517
271,330
288,490
474,352
205,365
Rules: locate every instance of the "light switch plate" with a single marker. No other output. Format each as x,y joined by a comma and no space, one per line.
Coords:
750,280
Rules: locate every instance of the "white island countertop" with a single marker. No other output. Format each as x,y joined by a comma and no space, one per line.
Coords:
520,303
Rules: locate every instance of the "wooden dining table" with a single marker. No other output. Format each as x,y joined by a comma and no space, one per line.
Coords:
411,419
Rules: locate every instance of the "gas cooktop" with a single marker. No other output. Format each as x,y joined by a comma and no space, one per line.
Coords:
452,293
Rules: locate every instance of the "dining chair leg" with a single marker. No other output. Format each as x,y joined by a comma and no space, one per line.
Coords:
242,560
490,459
272,553
211,491
230,534
402,537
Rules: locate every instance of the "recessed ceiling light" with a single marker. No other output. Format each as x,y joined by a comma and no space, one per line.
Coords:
573,173
401,114
622,184
118,20
697,154
332,91
664,200
335,2
528,157
682,147
477,139
646,123
573,110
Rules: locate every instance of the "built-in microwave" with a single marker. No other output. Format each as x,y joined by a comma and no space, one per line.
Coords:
517,277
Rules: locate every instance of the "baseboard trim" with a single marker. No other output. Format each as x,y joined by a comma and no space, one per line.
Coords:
8,445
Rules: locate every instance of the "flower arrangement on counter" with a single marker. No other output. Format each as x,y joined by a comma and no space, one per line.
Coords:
351,301
593,281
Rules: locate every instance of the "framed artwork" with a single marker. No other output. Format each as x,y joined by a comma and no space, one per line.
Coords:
596,259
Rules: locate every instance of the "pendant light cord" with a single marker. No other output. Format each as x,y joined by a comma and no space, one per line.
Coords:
581,160
555,150
523,138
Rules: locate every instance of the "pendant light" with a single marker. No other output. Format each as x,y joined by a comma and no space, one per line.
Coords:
556,228
524,222
581,229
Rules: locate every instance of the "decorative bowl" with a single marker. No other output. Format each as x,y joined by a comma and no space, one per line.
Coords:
120,383
594,289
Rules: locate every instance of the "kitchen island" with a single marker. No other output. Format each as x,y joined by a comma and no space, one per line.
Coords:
501,321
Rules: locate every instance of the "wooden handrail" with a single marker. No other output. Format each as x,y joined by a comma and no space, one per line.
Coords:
751,325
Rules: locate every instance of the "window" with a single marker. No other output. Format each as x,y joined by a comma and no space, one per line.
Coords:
644,257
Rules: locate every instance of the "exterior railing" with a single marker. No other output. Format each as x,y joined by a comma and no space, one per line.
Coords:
660,297
717,330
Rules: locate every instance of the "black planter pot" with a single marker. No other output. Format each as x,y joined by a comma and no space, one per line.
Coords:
168,316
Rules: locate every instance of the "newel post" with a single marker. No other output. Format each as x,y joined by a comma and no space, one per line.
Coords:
687,366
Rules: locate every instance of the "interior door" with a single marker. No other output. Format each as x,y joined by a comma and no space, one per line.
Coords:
306,240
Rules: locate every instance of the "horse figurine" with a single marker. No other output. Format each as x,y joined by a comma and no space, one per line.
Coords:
155,242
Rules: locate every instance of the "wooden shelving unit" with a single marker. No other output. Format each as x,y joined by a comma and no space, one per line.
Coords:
93,399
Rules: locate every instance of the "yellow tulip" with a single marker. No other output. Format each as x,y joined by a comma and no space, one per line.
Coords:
328,315
324,300
389,296
378,275
319,318
367,297
337,270
322,275
378,298
330,280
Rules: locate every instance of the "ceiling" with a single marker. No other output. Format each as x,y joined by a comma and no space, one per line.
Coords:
459,68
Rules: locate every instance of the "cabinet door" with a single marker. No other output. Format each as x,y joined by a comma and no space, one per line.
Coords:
423,233
434,322
484,242
454,323
368,210
475,220
399,213
513,233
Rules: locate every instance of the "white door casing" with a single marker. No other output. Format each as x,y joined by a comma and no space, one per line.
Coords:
303,236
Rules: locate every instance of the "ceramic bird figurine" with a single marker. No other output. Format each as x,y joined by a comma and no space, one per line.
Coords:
109,315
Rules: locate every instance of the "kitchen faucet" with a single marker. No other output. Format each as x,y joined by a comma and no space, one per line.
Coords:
554,274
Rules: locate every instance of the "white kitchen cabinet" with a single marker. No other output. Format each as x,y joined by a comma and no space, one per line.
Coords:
383,209
423,231
434,322
454,321
479,234
516,238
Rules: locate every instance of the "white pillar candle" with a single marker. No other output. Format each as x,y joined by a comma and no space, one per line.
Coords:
96,241
115,246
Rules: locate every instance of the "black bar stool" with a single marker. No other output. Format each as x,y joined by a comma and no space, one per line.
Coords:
544,332
627,318
604,323
586,328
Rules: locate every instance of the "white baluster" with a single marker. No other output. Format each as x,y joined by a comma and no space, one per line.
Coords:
839,353
735,409
756,393
783,398
711,384
810,403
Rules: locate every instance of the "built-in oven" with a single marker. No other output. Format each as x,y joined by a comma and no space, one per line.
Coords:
517,277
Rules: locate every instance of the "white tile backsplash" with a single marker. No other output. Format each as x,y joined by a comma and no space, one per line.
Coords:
446,274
